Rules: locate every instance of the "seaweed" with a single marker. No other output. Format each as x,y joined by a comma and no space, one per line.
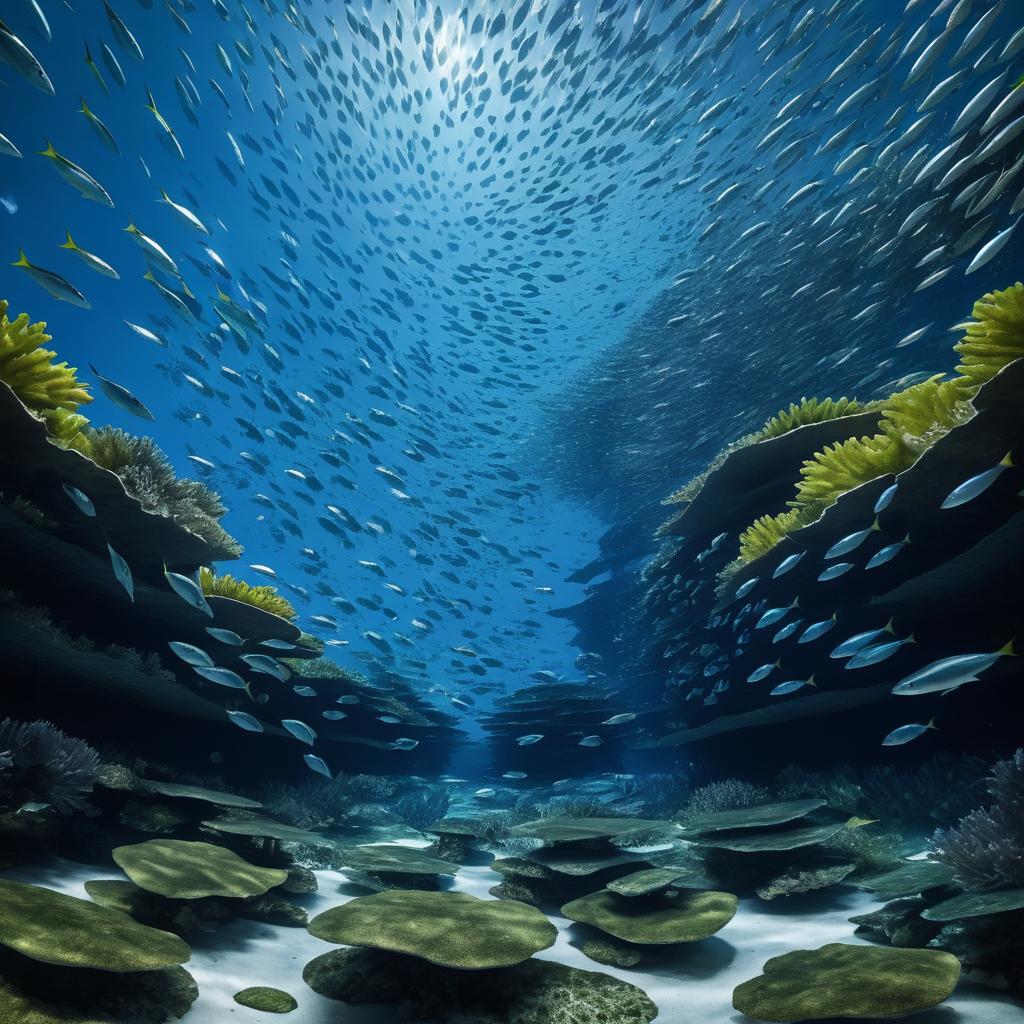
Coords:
986,848
422,807
264,597
809,410
994,336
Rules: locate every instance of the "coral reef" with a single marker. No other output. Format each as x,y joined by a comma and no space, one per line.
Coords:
724,795
264,597
800,882
46,766
321,803
986,849
808,410
148,477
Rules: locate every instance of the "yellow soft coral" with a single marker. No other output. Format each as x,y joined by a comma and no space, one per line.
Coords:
994,337
27,368
764,533
809,410
266,598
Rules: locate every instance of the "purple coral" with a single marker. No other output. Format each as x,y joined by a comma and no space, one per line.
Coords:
986,848
41,763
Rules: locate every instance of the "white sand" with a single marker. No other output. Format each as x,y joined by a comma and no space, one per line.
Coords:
695,989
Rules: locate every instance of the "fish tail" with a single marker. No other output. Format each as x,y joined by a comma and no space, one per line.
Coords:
874,525
22,260
131,229
1007,460
1007,649
888,627
85,107
906,540
931,724
148,276
911,640
70,243
49,151
810,680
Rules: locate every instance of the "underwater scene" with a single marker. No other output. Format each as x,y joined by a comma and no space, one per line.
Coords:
511,511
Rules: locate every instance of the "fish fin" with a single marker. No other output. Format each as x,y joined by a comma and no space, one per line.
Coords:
888,628
1007,649
22,260
810,680
70,243
85,109
906,540
931,724
131,229
796,602
875,526
952,689
98,374
88,55
778,664
49,151
148,276
911,640
1007,460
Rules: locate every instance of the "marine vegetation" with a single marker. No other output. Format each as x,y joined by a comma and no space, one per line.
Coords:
808,410
50,389
265,597
986,848
321,803
44,765
994,336
148,476
422,807
724,795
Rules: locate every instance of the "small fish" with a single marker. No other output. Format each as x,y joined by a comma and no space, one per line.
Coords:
304,691
299,730
835,571
773,615
817,629
82,501
104,133
591,741
786,564
334,716
389,719
225,636
77,177
791,686
317,764
32,807
514,775
122,573
745,588
763,672
278,645
529,740
874,654
887,554
906,733
122,33
15,53
122,397
850,542
619,719
348,698
222,677
97,74
190,654
8,148
153,251
948,674
404,743
787,631
992,249
484,794
59,288
92,261
976,485
850,647
246,721
188,590
267,665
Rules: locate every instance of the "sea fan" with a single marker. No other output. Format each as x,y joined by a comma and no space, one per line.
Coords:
263,597
986,848
46,766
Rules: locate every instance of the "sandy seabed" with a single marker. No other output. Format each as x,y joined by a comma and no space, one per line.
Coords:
694,989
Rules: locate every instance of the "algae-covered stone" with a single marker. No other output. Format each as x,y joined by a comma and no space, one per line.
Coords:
577,862
452,929
149,817
58,929
186,870
687,917
794,883
772,842
77,995
840,980
267,828
611,953
210,796
652,880
580,830
395,859
269,1000
976,904
533,992
907,879
522,867
759,816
